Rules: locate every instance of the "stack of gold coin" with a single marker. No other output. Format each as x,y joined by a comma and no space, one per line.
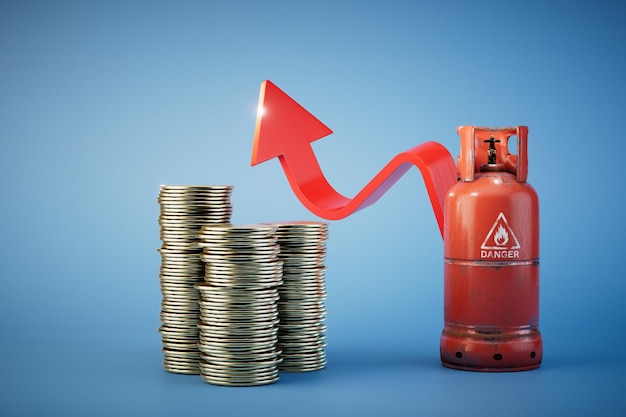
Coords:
302,312
184,209
238,304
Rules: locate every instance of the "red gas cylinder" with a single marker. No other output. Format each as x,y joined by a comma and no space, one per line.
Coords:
491,256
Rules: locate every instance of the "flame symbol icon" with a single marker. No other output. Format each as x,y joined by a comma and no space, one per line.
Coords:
501,237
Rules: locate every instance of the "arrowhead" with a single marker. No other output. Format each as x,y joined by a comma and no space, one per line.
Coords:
282,124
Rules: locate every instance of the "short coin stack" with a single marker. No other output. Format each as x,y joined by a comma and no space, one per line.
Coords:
238,305
184,209
301,307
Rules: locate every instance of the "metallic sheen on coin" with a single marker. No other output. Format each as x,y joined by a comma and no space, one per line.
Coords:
301,309
184,209
238,327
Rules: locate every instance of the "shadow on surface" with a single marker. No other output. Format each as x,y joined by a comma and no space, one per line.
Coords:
362,366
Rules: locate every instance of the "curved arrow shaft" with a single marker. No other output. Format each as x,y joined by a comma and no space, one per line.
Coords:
313,190
285,129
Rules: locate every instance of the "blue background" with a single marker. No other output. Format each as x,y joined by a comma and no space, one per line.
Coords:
102,102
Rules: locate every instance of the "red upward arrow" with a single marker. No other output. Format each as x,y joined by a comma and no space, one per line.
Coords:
285,129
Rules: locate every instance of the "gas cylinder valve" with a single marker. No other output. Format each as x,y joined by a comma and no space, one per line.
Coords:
491,151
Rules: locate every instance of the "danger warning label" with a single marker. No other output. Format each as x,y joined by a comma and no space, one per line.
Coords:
501,242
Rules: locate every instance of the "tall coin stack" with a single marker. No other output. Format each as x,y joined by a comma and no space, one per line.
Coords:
238,305
184,209
302,312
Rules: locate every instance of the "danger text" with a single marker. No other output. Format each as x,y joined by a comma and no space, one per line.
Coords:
499,254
